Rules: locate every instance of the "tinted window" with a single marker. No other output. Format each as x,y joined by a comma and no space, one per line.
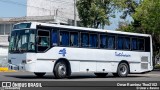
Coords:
84,39
64,38
74,39
134,44
141,44
103,41
54,38
120,43
126,43
111,42
147,44
93,40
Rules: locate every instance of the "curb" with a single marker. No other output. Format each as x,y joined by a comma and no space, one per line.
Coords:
5,69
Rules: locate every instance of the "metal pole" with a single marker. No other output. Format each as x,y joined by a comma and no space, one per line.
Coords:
75,22
4,29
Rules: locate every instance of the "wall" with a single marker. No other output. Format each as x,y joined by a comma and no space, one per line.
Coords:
48,7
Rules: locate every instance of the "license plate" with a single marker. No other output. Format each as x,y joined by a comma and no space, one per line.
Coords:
16,68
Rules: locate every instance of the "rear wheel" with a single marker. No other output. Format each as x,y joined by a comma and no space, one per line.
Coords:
122,70
60,70
39,74
101,75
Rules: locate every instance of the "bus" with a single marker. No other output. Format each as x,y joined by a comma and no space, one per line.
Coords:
63,50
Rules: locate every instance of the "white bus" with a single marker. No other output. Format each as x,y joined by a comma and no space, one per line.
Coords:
63,50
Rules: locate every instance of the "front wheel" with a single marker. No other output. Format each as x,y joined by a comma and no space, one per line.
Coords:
60,70
122,70
39,74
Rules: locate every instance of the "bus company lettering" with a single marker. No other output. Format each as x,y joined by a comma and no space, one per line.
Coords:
121,54
63,52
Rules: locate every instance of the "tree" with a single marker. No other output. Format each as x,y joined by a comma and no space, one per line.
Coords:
126,6
146,18
149,17
94,13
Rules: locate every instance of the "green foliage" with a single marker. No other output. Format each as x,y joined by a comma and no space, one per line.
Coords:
148,15
94,13
157,66
146,18
126,6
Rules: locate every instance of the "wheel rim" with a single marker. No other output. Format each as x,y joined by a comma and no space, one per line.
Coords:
123,69
62,70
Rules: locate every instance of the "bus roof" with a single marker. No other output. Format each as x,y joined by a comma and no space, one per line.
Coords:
34,24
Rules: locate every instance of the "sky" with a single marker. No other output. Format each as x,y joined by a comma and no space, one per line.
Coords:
12,10
8,9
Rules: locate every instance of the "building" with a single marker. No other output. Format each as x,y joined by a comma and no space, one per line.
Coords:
60,8
47,11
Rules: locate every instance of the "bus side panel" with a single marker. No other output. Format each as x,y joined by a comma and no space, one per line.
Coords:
106,67
75,66
44,66
135,67
87,66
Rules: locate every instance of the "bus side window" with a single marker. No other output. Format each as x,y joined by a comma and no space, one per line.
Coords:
64,38
43,40
111,42
54,38
93,40
141,44
103,41
120,43
127,43
134,44
84,39
74,39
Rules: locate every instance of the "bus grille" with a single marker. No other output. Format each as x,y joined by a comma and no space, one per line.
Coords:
144,59
144,65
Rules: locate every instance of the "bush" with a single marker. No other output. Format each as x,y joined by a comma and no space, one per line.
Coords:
157,66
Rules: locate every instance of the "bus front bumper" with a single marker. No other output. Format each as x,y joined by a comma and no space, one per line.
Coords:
16,67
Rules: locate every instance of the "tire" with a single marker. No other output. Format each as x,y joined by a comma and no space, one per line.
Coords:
101,75
39,74
122,70
60,70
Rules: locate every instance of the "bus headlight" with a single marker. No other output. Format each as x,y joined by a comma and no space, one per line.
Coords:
26,61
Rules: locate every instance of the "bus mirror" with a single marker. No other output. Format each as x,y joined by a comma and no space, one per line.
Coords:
9,38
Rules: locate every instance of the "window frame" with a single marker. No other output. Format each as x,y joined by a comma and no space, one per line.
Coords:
49,37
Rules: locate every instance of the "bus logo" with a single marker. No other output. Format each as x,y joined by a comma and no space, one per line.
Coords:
63,52
121,54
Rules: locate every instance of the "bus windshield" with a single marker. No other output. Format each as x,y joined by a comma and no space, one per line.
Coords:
22,41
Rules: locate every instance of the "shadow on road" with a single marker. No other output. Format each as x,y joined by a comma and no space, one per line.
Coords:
72,77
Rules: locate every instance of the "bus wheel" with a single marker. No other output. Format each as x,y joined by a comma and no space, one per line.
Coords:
101,75
122,70
60,70
39,74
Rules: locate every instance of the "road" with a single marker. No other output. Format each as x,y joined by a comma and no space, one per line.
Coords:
28,76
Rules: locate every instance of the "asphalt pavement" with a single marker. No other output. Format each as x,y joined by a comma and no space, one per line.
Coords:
28,76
